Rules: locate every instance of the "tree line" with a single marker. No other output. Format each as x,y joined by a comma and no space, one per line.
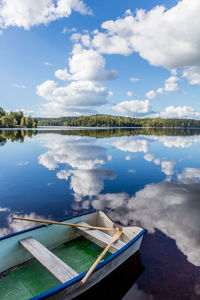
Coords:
117,121
53,121
16,119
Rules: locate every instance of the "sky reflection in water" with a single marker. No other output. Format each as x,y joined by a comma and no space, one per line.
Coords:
147,179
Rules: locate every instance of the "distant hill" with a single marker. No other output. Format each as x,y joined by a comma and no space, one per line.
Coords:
53,121
117,121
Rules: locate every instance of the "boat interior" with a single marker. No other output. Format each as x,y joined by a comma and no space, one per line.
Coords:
35,261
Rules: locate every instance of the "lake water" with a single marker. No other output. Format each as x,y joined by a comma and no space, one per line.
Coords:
141,176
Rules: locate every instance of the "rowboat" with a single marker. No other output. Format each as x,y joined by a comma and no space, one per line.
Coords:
29,270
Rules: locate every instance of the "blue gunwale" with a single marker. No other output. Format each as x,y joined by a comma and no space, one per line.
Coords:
79,277
40,226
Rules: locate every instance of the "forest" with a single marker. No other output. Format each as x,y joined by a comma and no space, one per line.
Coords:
117,121
16,119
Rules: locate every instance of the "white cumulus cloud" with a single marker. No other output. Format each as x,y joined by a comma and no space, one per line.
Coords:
27,13
171,84
164,37
85,92
160,90
89,65
133,108
179,112
130,94
151,94
192,74
62,74
78,96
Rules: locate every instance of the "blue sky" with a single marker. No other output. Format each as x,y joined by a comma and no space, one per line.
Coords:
71,57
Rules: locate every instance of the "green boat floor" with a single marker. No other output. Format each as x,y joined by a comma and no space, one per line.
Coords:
32,278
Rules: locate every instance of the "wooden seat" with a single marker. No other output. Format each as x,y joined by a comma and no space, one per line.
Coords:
100,238
57,267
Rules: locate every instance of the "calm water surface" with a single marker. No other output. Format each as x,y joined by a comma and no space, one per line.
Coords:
146,177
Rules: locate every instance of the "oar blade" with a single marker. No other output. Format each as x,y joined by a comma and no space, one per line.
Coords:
116,236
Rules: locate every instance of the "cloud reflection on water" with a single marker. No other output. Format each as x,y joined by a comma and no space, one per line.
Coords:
132,144
78,152
189,175
16,225
84,157
177,141
87,182
171,207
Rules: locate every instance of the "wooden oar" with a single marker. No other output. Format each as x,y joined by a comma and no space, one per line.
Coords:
114,239
62,223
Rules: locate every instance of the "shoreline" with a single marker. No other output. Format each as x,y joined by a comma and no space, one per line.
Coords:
95,128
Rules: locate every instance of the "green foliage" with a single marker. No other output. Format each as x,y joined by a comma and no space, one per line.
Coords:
2,112
116,121
22,123
15,135
53,121
6,122
34,123
16,119
28,122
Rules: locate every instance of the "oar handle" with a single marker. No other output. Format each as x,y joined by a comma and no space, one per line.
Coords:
95,264
114,239
65,224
